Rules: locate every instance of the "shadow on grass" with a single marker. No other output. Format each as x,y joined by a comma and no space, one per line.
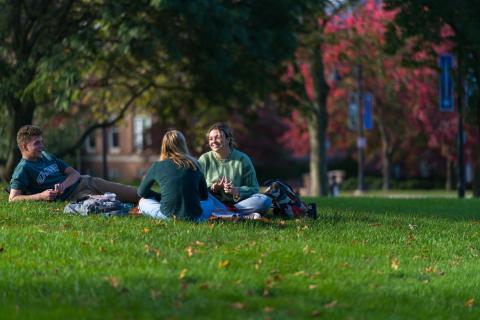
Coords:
364,209
402,297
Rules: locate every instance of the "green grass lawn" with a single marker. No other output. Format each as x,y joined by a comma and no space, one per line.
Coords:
364,258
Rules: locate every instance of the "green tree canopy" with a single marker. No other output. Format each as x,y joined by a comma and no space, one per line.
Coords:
106,54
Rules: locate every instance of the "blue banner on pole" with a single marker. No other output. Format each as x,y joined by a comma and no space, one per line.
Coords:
368,111
446,83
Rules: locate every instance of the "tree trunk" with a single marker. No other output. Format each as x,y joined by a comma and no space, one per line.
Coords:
386,154
448,175
315,164
20,114
386,164
476,179
476,165
318,130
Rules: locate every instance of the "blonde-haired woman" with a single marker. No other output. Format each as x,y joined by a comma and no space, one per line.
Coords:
182,184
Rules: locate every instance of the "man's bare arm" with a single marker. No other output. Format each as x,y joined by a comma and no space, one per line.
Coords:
72,177
17,195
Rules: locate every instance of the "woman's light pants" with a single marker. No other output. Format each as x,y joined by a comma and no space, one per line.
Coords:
255,203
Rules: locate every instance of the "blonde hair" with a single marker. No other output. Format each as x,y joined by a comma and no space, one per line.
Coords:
174,147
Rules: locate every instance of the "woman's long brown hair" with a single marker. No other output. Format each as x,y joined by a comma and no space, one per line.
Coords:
174,147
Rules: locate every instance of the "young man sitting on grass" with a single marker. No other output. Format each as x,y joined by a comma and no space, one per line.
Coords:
42,176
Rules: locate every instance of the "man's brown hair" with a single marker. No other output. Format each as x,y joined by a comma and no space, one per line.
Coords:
26,133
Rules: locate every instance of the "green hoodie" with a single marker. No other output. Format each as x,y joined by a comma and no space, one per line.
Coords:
237,168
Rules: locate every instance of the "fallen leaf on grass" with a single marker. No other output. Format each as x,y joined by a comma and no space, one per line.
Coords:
155,294
182,274
469,303
330,304
410,238
266,292
223,264
307,250
199,243
316,313
146,230
238,305
189,251
312,286
395,264
268,309
114,282
149,249
431,269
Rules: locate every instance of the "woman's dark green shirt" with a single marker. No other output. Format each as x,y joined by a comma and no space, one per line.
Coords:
181,189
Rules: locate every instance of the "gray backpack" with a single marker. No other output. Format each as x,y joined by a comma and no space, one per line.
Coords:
98,205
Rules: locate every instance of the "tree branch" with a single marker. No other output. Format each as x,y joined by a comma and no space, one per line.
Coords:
104,124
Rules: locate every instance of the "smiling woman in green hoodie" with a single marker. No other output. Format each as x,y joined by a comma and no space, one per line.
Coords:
230,174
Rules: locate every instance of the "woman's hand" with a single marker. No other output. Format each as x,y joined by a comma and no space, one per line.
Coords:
216,186
228,187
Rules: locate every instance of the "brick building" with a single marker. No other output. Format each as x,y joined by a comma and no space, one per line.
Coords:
130,149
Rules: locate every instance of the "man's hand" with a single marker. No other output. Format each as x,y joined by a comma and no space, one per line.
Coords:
48,195
59,188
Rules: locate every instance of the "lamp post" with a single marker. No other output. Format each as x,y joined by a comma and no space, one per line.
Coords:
461,138
361,143
447,105
104,153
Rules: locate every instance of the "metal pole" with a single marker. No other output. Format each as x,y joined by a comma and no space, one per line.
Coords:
104,153
461,138
361,133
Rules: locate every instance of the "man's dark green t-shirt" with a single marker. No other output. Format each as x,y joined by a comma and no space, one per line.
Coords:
36,176
181,189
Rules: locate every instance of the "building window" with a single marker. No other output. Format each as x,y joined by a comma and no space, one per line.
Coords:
114,139
141,132
91,143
